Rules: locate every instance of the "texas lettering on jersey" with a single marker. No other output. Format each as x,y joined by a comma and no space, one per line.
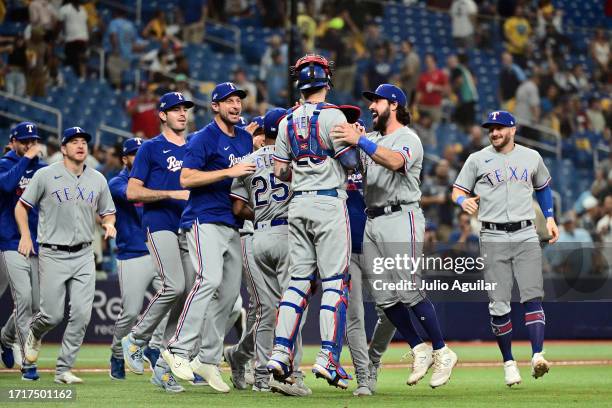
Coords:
81,193
516,175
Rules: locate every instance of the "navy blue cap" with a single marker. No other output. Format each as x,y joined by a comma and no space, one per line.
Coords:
387,91
73,132
360,122
259,120
242,122
131,146
271,121
502,118
226,89
25,131
172,99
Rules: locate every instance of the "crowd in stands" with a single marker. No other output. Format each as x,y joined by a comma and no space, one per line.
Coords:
535,80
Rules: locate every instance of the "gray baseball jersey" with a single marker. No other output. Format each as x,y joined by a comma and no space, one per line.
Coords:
310,173
268,195
383,187
68,204
505,182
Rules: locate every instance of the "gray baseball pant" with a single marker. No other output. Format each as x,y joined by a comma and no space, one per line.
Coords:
355,326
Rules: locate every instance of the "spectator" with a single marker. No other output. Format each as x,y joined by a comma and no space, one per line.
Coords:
590,215
249,104
578,80
431,88
474,144
380,67
44,15
599,49
510,77
449,153
570,233
143,110
436,201
594,113
273,12
555,76
553,44
76,35
604,226
463,19
307,26
121,44
160,62
194,20
94,22
15,79
182,86
53,148
517,31
338,40
38,61
463,239
424,128
600,183
410,70
276,81
527,107
464,87
548,16
156,27
573,253
275,44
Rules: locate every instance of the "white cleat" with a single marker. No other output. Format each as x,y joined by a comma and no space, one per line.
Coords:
211,374
443,362
422,359
249,373
180,366
512,376
17,354
32,348
68,378
539,365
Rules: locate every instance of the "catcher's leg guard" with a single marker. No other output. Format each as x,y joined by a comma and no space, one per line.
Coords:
332,319
288,321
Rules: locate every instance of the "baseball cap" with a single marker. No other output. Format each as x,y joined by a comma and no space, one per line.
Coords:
589,202
226,89
502,118
259,120
172,99
271,121
131,146
387,91
242,122
25,131
73,132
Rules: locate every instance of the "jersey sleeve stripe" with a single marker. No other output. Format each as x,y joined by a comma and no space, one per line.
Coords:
281,159
25,202
342,151
547,182
239,197
107,213
467,190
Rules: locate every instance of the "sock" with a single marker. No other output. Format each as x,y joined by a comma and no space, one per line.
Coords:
535,322
426,313
400,317
502,329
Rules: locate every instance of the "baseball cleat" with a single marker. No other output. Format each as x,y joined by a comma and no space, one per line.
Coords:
198,380
17,353
180,366
150,355
299,382
29,373
32,348
512,376
8,358
261,386
422,359
164,379
237,377
211,374
288,389
443,362
249,373
280,371
539,365
67,378
132,355
373,376
363,388
325,367
117,368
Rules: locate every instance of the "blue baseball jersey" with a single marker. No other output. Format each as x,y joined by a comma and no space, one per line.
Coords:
15,174
158,165
130,234
211,149
356,210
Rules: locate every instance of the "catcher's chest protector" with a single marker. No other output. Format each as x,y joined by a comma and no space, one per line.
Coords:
310,146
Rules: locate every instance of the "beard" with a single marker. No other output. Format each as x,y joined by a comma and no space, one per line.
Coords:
503,143
225,117
380,123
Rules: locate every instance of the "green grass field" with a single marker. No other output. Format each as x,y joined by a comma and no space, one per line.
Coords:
581,375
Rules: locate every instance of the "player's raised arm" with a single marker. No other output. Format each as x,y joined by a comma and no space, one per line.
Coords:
192,178
136,191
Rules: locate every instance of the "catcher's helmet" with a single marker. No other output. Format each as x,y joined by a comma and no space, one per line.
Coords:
312,71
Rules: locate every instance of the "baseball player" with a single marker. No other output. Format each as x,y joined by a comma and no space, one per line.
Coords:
317,167
68,195
392,160
136,267
265,198
214,157
498,182
154,181
17,168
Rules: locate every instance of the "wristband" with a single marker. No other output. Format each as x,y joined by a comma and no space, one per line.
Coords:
460,200
367,146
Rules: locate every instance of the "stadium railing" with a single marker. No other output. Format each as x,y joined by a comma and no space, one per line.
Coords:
36,105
